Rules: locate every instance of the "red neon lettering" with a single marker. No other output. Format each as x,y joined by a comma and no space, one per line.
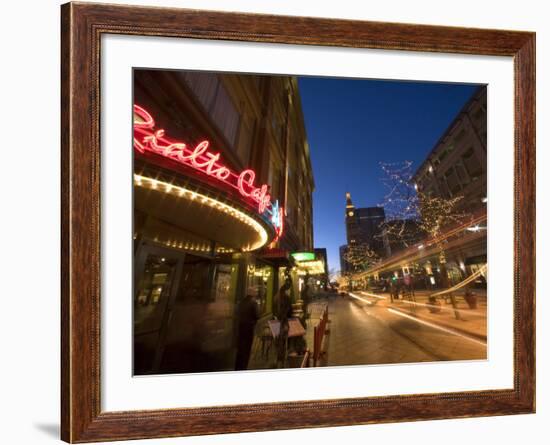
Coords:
148,121
146,138
222,173
261,197
211,159
139,146
246,177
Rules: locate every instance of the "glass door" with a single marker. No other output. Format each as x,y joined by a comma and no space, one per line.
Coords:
200,334
151,301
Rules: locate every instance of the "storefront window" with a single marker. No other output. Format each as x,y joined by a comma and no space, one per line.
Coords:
260,278
225,282
150,305
152,292
200,332
196,278
454,275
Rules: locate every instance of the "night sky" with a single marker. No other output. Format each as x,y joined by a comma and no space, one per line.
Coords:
353,125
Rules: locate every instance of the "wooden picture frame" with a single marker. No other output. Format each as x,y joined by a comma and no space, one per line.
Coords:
82,26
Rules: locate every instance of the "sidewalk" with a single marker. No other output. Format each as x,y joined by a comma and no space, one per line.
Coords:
263,354
315,310
472,322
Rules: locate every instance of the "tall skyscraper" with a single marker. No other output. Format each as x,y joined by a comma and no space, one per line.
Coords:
363,226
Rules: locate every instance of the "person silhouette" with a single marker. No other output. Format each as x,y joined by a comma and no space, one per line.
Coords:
248,317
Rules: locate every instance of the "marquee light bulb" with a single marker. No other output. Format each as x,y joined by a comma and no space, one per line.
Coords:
144,181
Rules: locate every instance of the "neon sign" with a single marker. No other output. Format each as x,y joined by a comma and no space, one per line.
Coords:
277,219
147,138
303,256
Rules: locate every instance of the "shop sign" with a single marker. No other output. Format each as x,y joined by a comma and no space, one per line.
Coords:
303,256
199,157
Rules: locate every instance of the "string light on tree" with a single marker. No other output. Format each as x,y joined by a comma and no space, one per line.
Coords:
360,257
401,204
438,213
405,203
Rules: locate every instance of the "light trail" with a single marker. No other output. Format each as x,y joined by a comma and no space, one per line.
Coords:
373,295
414,303
435,326
463,283
412,252
357,297
444,308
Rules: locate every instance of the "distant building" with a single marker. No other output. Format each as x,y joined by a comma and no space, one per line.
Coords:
363,226
321,255
344,266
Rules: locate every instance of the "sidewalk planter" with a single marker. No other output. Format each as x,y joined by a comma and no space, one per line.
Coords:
434,305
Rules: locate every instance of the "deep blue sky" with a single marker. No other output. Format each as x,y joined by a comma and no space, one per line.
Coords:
352,125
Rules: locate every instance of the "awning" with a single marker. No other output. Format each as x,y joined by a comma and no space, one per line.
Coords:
207,215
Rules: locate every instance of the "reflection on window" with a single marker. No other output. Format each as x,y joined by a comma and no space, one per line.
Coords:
152,292
195,282
260,281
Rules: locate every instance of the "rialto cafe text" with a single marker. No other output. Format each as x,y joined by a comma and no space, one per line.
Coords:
147,138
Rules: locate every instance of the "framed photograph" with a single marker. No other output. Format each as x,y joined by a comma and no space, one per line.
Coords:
275,222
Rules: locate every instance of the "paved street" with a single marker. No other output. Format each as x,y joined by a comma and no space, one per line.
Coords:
367,330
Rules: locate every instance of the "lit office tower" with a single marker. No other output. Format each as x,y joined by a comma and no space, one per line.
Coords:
363,226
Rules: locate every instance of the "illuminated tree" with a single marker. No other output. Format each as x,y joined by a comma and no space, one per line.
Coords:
360,257
401,204
438,213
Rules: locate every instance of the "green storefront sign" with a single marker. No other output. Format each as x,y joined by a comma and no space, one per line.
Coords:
303,256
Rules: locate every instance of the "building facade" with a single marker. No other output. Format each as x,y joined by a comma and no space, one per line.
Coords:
457,165
222,192
344,266
322,280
